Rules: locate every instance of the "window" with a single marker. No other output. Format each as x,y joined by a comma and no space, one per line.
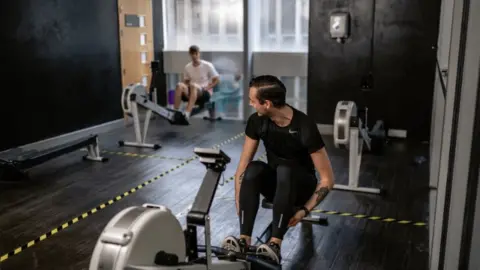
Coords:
282,25
213,25
228,94
143,39
141,19
145,80
143,56
217,25
296,92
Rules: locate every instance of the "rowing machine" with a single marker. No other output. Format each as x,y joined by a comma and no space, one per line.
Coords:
136,94
349,133
151,238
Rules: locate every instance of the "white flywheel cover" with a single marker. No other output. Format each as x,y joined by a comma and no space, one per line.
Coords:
126,103
135,235
137,89
341,123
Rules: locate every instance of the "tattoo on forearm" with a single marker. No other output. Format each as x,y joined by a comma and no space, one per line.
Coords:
321,194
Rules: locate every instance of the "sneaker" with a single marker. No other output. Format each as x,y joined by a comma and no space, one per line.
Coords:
270,250
232,243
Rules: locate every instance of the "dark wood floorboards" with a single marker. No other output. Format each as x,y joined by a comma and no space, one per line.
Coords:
67,187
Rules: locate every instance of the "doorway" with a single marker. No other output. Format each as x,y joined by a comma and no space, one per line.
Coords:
135,19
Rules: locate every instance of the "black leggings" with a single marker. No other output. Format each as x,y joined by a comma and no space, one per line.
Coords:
286,186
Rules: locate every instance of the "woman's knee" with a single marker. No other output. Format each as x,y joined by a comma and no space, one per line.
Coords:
254,170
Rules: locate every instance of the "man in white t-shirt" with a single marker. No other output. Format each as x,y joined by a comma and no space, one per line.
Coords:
199,78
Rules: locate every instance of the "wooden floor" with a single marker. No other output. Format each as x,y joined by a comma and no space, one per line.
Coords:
67,187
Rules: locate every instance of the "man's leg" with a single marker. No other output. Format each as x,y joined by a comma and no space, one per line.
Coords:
294,187
180,90
193,93
257,176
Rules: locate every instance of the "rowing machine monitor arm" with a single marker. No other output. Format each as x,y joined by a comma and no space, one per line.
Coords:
215,160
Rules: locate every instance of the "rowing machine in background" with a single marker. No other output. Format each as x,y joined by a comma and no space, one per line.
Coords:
350,133
135,95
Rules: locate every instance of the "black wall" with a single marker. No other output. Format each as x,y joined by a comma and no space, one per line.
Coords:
62,60
401,60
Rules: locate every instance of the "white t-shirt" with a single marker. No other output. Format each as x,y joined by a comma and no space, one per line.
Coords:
201,74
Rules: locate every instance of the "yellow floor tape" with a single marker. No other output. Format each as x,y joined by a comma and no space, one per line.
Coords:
137,155
104,205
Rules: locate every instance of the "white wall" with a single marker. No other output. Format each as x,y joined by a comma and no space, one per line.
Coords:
455,174
474,263
438,108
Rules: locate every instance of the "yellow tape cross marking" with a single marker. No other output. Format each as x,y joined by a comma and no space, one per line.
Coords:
375,218
359,216
138,155
344,214
101,206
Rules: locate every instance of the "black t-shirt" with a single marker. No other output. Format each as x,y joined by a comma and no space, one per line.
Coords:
294,142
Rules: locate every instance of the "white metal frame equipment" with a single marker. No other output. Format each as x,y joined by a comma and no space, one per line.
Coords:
349,134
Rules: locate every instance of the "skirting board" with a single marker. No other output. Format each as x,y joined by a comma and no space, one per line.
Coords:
397,133
50,142
393,133
325,129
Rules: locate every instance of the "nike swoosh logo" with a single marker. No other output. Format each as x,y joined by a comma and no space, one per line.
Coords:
292,131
